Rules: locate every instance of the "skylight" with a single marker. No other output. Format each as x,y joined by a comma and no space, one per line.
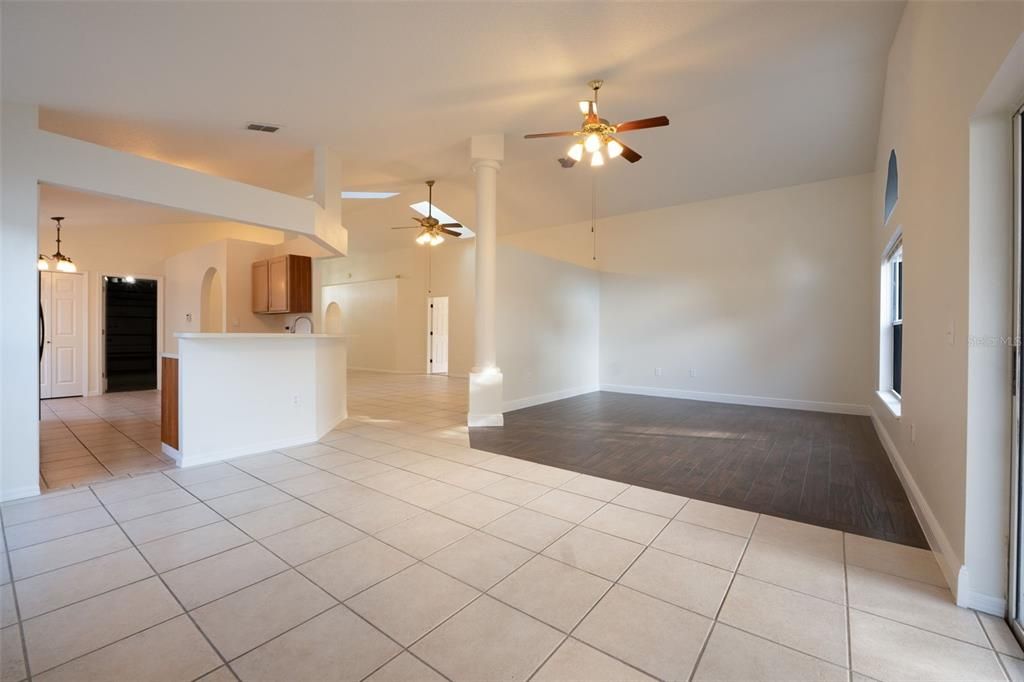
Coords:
368,195
422,207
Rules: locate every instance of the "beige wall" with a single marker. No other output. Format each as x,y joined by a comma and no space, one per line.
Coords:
138,250
403,304
760,295
547,327
941,62
546,314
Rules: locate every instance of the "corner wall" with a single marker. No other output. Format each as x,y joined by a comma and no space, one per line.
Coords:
942,60
547,315
754,298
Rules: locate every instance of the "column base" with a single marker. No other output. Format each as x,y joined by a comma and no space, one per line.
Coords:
485,400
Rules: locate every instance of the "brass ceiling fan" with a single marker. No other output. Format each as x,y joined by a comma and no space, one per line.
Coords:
597,134
432,231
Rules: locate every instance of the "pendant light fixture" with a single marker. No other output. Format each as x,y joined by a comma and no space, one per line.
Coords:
61,262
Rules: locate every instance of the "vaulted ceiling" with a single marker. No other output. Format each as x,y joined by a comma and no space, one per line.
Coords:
760,95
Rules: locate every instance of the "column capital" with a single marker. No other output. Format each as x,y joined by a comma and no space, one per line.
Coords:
485,163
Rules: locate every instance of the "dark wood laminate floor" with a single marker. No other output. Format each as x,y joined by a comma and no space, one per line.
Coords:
825,469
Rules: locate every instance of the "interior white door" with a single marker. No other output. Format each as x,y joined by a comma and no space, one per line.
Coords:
44,352
64,342
438,334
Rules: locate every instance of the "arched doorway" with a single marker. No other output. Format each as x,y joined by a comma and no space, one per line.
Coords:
332,319
211,302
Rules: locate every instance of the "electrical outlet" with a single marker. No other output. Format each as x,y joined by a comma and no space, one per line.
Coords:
295,400
693,372
657,371
188,317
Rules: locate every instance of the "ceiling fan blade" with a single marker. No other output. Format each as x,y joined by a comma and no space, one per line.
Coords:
567,162
642,123
564,133
405,227
628,153
451,225
451,232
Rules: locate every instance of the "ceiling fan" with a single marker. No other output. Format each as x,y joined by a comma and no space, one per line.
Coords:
596,134
432,231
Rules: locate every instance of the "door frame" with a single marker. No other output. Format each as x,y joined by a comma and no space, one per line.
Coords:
86,345
99,335
1016,483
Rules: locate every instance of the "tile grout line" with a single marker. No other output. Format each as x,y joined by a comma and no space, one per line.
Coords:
536,553
173,596
81,402
721,604
992,645
846,610
17,607
573,526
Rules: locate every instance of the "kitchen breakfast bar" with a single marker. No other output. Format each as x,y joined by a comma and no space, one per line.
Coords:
229,395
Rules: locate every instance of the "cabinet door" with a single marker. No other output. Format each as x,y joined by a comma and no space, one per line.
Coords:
260,292
278,282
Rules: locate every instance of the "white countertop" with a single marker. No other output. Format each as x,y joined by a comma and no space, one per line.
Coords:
241,336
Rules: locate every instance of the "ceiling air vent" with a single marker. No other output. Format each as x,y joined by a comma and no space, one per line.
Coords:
263,127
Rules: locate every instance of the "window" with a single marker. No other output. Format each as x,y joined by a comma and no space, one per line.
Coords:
895,266
892,186
890,332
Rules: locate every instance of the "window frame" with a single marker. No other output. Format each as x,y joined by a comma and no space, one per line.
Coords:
895,265
892,310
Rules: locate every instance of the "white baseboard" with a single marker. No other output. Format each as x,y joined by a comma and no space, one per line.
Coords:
968,598
733,399
530,401
952,568
18,493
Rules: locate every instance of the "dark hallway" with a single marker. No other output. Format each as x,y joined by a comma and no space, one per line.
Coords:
130,336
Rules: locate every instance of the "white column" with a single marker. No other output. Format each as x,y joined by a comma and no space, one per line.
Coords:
485,381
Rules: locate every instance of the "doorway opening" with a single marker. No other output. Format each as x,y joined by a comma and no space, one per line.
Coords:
130,334
437,335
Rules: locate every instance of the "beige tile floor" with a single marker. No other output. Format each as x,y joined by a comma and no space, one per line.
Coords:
392,551
87,440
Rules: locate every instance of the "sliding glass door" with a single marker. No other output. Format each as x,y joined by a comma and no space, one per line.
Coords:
1016,587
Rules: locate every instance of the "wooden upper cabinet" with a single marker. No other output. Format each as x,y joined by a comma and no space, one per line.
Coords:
283,284
277,273
260,293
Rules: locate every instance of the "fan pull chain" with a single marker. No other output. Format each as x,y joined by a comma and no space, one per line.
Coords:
429,274
593,212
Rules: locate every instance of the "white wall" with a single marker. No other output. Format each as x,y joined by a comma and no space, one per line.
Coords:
183,289
31,156
404,311
369,318
547,327
137,250
942,60
547,315
761,295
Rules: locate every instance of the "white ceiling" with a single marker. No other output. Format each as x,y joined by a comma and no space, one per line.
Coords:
760,95
82,209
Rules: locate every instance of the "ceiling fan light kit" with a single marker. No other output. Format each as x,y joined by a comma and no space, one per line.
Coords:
432,231
596,135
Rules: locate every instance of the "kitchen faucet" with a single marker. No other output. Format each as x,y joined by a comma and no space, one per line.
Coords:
296,323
